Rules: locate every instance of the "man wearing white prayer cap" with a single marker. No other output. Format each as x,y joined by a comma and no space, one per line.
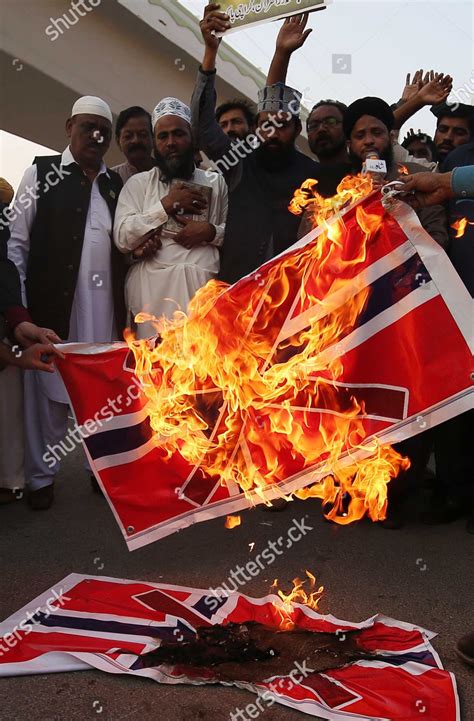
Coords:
71,273
173,219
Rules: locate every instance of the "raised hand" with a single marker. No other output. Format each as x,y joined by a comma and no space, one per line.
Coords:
293,33
436,90
412,85
412,133
213,22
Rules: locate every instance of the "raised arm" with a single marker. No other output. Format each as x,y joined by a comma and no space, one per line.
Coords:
212,22
208,134
429,89
292,35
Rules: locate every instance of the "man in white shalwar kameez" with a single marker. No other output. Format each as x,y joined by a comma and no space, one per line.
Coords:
172,266
70,270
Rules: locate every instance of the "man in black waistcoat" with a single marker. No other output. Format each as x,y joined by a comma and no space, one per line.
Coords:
71,272
262,171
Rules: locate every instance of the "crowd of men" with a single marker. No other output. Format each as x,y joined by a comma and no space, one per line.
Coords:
95,246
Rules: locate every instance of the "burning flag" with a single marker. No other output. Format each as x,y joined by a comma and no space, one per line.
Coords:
324,667
293,381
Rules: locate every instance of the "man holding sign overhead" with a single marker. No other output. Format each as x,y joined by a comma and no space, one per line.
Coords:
262,170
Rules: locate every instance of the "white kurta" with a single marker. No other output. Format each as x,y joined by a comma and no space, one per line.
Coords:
92,320
92,313
167,281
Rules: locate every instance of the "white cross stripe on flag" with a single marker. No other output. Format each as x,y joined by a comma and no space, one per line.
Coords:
415,314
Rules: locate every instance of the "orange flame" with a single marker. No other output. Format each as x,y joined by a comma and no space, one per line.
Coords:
285,610
232,521
460,226
209,377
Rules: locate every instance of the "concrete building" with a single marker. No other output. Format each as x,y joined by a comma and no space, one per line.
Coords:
129,52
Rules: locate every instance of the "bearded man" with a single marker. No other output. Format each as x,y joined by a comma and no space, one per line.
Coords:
172,218
368,123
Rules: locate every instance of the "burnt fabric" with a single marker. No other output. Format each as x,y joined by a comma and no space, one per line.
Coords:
325,667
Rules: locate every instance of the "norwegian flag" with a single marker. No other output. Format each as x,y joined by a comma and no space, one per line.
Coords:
409,359
109,623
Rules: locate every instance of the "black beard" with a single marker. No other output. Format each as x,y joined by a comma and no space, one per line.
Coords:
357,162
274,159
181,167
329,151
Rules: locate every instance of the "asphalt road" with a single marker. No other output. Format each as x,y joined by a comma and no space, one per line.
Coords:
364,568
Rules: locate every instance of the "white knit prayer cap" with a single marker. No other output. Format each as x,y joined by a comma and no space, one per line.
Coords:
171,106
90,105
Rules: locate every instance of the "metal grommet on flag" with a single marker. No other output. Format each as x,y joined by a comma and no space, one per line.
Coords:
391,190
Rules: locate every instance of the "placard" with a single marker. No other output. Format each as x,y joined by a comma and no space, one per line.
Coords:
255,12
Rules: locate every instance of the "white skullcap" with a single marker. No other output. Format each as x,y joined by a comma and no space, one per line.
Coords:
90,105
171,106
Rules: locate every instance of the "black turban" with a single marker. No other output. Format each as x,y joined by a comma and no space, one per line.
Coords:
375,107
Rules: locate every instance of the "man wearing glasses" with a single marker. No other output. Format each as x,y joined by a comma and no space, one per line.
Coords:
327,141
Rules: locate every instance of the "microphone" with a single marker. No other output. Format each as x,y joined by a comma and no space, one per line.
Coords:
374,165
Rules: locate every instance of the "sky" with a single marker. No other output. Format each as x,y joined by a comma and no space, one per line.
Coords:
355,49
378,43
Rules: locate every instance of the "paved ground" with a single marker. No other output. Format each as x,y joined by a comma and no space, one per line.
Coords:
364,568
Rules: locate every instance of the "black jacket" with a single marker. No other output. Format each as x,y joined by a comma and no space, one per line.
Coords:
259,225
